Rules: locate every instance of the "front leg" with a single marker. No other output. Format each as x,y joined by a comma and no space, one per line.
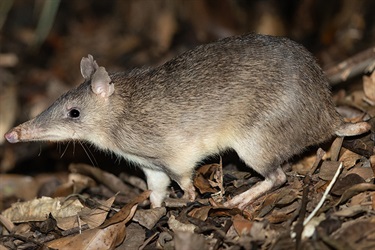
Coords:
157,182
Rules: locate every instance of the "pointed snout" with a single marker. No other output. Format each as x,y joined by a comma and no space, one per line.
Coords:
33,130
23,132
12,136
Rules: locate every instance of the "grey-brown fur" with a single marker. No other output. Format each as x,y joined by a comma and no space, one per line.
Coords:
263,96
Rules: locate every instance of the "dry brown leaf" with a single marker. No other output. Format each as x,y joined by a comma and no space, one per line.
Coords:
110,234
206,178
345,183
202,213
240,178
184,240
335,149
224,211
372,162
283,214
174,203
126,213
203,184
20,186
357,234
23,229
303,166
282,196
349,158
369,86
95,217
287,195
258,230
135,236
363,199
3,248
363,145
75,184
165,240
110,180
135,181
39,209
92,217
241,225
365,173
355,189
5,222
328,170
97,238
278,217
350,211
148,218
356,100
177,226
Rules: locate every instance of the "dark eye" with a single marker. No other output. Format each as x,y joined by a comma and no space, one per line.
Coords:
74,113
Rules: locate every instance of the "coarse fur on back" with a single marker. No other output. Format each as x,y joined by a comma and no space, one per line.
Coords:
207,104
263,96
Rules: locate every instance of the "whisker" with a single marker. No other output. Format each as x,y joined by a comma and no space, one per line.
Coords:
40,149
88,153
66,148
74,147
58,147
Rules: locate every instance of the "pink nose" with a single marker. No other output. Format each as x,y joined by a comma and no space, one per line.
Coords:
12,136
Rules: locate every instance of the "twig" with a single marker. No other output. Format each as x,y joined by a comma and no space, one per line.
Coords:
324,195
336,148
298,228
333,243
363,62
79,229
148,241
319,156
22,238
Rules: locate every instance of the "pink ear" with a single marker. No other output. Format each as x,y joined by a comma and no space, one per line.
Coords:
88,67
101,83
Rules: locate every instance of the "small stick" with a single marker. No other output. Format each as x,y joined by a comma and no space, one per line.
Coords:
363,62
148,241
320,204
319,156
306,183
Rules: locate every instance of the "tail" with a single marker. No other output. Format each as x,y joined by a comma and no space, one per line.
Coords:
352,129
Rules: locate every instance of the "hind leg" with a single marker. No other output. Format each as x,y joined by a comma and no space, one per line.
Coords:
272,180
183,177
186,184
268,168
181,170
